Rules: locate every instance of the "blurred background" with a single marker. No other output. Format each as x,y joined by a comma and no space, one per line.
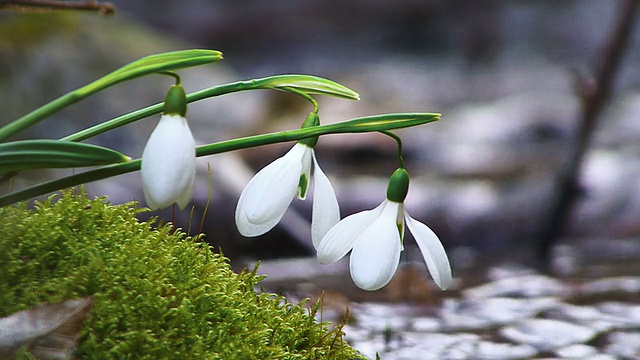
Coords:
502,73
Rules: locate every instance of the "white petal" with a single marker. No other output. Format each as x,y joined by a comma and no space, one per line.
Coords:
185,196
341,238
326,212
267,196
169,163
376,254
432,251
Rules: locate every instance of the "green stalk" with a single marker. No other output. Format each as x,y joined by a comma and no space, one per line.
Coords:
358,125
155,109
399,143
294,83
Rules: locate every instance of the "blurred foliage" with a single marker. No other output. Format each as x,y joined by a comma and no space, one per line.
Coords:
158,294
26,30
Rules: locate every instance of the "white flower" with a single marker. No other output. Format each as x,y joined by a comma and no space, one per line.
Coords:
169,163
375,239
267,196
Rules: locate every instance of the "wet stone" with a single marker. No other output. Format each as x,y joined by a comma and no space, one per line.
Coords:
425,324
458,346
481,350
602,357
547,334
621,315
575,313
622,284
395,324
623,344
436,342
509,270
527,286
491,350
460,350
353,334
594,357
369,348
576,351
487,313
587,316
432,346
383,317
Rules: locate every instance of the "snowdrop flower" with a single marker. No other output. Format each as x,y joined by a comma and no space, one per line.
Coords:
169,159
267,196
375,239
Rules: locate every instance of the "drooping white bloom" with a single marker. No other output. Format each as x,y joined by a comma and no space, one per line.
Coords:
375,239
169,163
267,196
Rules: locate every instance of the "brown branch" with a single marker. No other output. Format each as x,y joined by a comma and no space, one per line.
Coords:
595,93
53,5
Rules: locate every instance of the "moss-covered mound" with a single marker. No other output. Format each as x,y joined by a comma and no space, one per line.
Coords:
158,294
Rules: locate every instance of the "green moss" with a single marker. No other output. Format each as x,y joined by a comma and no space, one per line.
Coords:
158,294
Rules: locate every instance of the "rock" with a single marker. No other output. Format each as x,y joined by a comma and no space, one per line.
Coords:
425,324
621,315
487,350
547,334
588,316
624,345
438,346
622,284
577,351
491,312
432,346
527,286
380,318
506,270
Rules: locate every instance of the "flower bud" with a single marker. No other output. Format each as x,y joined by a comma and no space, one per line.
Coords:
312,120
175,103
398,186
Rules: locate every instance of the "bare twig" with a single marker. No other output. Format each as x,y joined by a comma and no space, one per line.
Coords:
594,92
54,5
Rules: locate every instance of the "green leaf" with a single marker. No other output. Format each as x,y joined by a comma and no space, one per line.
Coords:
153,64
144,66
42,154
308,84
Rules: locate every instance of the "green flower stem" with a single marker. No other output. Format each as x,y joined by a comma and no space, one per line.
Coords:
399,142
144,66
298,84
359,125
173,74
155,109
308,97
